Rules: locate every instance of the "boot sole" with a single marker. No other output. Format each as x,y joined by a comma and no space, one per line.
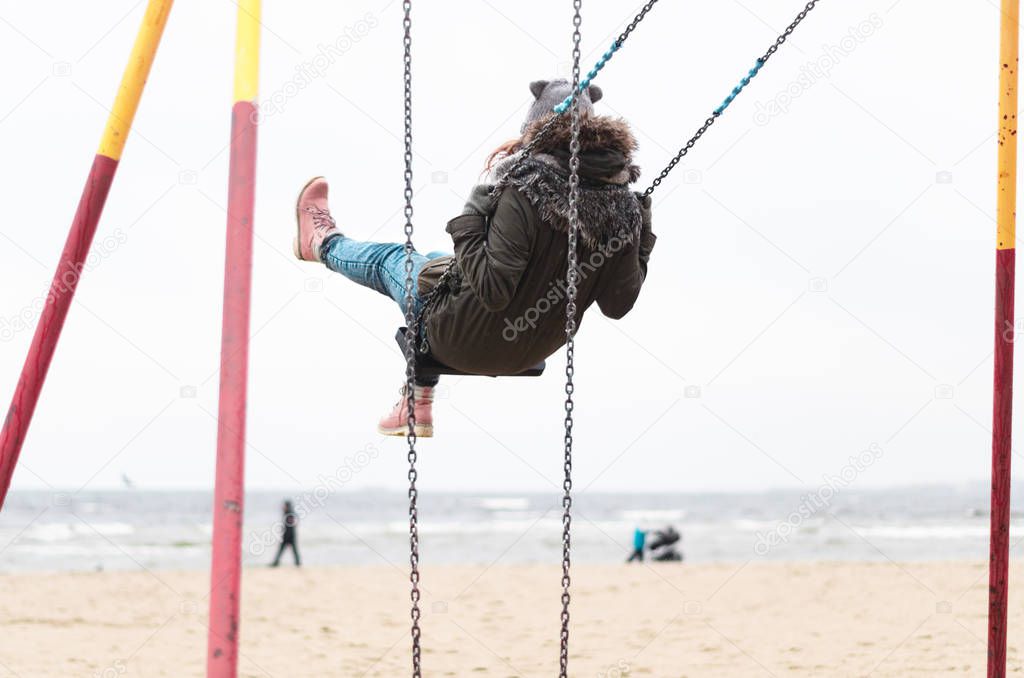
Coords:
422,431
296,247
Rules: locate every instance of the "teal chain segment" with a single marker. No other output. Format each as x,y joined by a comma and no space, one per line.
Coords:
585,83
609,53
739,88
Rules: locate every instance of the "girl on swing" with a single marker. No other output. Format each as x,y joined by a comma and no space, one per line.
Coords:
504,311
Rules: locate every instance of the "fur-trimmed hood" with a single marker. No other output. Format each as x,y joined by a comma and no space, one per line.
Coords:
607,206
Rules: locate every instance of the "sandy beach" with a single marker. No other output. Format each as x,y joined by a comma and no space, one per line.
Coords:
755,619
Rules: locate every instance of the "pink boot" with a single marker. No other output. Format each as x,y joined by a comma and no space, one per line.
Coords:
315,223
397,423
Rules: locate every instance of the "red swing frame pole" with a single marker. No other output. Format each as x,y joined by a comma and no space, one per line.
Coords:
1002,403
80,236
226,565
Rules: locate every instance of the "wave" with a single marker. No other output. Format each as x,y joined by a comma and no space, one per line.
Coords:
653,515
949,531
504,503
57,532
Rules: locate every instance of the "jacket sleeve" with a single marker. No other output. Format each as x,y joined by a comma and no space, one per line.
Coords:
492,259
621,289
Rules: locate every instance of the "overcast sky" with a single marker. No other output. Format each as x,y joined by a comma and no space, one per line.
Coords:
822,280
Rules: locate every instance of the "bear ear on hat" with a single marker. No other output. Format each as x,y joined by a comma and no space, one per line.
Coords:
596,93
537,88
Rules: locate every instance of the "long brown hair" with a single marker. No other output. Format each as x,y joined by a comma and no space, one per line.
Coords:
510,147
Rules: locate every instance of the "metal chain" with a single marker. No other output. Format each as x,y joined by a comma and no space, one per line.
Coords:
718,112
410,354
444,282
632,24
526,150
572,280
682,152
789,31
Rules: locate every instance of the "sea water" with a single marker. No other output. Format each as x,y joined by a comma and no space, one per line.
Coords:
127,529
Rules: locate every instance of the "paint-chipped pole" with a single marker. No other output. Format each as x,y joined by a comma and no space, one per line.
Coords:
1002,404
226,568
76,247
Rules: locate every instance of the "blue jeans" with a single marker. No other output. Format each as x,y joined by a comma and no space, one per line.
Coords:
379,266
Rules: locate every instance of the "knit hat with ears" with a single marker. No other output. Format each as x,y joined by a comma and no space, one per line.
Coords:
549,93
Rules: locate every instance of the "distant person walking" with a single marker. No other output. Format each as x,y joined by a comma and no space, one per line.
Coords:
290,522
639,538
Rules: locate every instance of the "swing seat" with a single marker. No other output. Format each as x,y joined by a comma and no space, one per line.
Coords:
428,366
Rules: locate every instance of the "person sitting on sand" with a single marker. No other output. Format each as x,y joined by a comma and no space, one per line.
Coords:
290,521
504,310
666,537
663,547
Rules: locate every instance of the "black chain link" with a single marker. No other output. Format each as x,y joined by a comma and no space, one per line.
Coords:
632,24
789,31
681,154
717,114
572,280
410,354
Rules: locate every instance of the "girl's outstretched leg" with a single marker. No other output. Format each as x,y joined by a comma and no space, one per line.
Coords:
379,266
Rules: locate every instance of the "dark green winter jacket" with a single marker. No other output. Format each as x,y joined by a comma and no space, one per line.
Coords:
507,309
